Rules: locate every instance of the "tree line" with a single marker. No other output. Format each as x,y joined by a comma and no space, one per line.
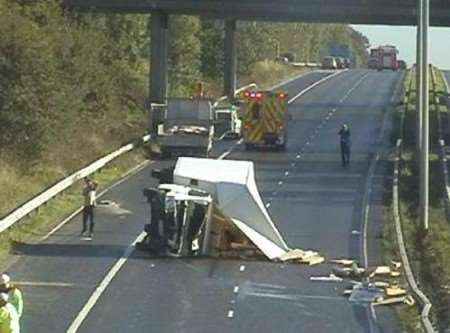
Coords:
80,79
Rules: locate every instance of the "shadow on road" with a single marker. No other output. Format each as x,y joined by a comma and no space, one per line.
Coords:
68,250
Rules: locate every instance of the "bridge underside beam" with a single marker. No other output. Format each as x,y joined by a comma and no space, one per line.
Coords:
395,12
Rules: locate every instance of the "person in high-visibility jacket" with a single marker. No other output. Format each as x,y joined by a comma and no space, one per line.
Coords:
14,294
9,318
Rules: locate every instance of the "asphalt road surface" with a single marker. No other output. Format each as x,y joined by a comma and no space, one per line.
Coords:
315,202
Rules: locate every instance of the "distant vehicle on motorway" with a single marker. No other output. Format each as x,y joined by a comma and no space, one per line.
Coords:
372,63
401,64
340,62
383,57
347,62
329,63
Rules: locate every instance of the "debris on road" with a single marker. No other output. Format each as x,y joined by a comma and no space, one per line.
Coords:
345,262
365,293
303,256
394,291
329,278
385,292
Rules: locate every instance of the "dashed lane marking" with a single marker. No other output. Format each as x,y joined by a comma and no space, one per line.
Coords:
230,313
229,151
353,87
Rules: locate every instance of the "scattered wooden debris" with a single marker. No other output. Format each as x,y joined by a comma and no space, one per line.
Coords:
307,257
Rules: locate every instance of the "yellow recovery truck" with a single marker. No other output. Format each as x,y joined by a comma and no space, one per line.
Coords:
264,118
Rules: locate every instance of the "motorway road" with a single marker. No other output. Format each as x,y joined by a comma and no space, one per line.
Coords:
314,201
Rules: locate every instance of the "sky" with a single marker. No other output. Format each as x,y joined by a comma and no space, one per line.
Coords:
405,39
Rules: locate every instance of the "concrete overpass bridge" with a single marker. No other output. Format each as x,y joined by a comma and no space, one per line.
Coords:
387,12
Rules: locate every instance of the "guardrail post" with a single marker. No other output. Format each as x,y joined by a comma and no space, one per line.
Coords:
229,84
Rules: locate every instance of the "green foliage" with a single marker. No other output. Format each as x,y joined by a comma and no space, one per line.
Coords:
212,49
60,74
184,54
259,41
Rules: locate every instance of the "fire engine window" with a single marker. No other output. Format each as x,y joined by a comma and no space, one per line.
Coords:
256,108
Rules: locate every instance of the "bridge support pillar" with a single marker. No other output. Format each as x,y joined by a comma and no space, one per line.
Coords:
158,56
229,84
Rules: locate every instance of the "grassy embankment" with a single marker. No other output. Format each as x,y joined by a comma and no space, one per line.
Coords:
20,185
428,253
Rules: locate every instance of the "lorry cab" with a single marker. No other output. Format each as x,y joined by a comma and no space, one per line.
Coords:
226,122
264,118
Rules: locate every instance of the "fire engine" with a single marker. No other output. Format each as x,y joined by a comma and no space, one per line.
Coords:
264,118
383,57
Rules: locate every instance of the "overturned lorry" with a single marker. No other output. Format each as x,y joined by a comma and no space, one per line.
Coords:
213,208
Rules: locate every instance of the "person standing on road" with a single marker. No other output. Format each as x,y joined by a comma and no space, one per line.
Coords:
344,134
14,294
9,319
89,194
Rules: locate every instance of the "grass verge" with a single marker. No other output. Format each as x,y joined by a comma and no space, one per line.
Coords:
429,253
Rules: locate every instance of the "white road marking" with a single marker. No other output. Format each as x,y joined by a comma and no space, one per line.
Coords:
298,156
293,164
268,205
242,268
236,289
280,183
304,91
230,313
229,151
103,285
286,173
353,88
